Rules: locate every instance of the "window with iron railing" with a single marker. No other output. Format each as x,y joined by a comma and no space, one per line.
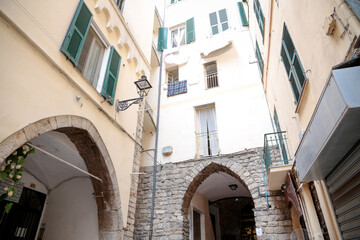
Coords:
207,134
211,75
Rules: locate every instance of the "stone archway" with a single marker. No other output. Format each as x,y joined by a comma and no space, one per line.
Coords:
92,149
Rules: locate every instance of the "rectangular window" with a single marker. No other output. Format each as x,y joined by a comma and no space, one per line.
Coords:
211,75
184,33
178,37
120,4
174,1
91,58
292,64
259,60
196,225
173,75
218,21
207,135
259,16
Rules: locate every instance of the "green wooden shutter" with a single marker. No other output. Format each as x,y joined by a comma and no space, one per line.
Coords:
260,60
214,23
111,75
76,35
244,20
190,31
162,39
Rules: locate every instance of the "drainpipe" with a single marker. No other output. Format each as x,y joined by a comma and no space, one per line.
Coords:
262,167
269,45
156,140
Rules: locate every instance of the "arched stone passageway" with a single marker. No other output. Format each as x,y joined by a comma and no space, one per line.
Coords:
178,182
89,145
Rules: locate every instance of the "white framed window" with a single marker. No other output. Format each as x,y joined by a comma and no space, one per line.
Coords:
197,224
174,1
207,133
211,75
178,37
173,75
218,21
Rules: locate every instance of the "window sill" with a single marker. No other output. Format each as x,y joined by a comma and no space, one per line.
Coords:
298,106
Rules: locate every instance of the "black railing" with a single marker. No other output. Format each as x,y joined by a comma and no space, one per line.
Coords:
276,149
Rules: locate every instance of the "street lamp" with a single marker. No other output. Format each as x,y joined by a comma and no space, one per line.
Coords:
143,86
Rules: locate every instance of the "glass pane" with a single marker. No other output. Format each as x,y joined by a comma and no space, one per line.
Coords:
211,68
225,26
214,30
213,19
182,36
288,42
223,16
74,44
294,87
93,63
174,35
85,52
83,19
299,72
285,59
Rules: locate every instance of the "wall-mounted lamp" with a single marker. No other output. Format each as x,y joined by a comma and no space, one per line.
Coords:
143,86
233,187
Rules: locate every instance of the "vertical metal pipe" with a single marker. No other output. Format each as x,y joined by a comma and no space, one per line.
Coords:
262,167
156,141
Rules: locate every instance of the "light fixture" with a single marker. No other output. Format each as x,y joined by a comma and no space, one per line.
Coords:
233,187
143,86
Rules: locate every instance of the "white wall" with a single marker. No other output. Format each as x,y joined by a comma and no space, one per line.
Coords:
241,110
71,212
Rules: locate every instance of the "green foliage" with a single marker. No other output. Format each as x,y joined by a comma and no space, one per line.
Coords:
12,170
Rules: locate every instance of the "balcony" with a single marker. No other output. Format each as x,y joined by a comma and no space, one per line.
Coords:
277,158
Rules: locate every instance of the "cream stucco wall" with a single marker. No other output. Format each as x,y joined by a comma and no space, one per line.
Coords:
39,82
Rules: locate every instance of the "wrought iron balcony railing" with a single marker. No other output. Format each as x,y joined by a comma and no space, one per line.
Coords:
276,149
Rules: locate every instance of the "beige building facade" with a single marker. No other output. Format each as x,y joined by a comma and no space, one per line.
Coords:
308,50
63,65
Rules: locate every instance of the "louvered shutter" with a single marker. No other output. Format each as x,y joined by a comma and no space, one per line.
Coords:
162,39
190,31
243,18
76,35
111,75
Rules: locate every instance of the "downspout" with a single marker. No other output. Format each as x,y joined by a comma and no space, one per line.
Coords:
263,171
156,140
269,45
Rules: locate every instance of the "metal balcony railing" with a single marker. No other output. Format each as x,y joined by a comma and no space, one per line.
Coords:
276,149
212,80
207,143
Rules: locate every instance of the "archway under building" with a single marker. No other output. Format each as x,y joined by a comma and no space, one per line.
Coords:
56,200
218,205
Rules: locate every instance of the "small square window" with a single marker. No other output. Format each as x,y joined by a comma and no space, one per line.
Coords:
173,75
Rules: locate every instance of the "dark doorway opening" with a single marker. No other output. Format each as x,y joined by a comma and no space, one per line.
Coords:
23,219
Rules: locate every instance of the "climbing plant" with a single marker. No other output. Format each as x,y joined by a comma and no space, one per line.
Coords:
12,169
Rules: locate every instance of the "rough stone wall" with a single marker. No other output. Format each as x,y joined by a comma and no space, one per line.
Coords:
177,182
129,229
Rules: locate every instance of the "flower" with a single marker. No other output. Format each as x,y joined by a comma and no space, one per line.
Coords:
12,183
12,165
11,175
2,168
6,188
18,176
14,153
25,148
10,193
18,166
8,162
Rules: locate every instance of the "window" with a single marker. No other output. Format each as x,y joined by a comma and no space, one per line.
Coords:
178,37
207,136
173,75
259,16
178,34
85,50
211,75
174,1
292,64
120,4
196,225
243,18
259,60
218,21
91,58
